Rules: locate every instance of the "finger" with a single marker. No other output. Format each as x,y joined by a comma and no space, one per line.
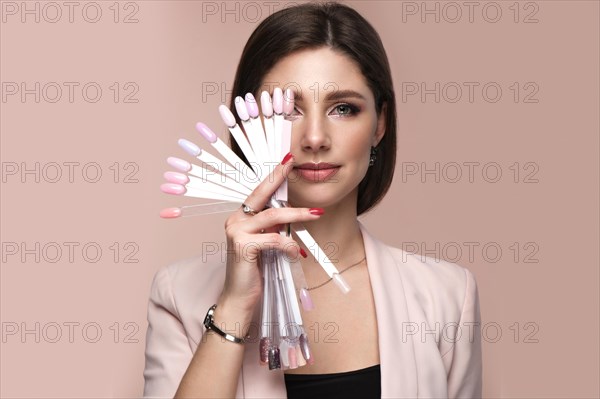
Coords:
263,192
252,245
273,229
269,218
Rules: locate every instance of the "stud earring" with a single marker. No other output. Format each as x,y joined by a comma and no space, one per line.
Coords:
373,156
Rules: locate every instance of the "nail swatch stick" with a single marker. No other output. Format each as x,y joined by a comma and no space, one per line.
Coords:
200,209
216,164
267,118
277,119
248,177
200,193
203,156
284,139
254,135
316,251
178,189
207,175
196,183
265,304
239,136
245,175
255,120
289,281
288,102
254,138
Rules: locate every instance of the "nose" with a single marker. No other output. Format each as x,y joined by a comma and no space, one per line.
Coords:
314,134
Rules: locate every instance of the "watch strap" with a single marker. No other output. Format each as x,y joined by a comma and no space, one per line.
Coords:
209,324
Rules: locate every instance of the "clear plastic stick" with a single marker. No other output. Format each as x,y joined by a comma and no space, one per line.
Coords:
265,336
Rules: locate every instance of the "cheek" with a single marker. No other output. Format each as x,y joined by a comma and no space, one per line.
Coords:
358,141
360,150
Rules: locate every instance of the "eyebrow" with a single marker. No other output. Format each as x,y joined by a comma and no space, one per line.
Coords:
336,95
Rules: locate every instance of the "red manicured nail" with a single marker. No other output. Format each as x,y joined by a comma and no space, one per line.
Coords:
287,158
303,253
316,211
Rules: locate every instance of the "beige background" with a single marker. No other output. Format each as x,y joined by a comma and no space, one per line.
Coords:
173,54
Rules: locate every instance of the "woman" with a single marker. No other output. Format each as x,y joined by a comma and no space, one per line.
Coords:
408,328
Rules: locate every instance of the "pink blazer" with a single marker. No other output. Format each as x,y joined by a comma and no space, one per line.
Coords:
427,316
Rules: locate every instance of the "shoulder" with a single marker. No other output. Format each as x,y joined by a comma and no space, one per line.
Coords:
421,274
441,288
187,288
434,271
196,272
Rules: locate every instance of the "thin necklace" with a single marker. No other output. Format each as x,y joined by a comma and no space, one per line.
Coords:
322,284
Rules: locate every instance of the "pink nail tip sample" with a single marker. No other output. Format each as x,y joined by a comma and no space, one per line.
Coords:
288,102
299,358
278,101
170,213
306,300
240,107
227,116
266,104
251,105
284,354
173,188
179,164
292,357
177,178
205,131
189,147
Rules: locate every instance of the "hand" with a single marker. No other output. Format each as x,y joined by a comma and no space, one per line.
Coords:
248,235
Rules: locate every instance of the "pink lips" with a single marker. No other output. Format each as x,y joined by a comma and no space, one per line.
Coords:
317,172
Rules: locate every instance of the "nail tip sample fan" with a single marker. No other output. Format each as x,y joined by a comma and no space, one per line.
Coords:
283,340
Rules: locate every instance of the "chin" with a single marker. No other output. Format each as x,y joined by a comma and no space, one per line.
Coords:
302,202
316,196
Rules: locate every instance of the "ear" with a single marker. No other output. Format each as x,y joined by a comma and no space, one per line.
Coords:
381,125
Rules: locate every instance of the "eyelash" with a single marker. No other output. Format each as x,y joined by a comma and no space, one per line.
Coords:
353,110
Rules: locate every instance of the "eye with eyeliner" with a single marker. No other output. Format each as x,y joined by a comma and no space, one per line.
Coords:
352,109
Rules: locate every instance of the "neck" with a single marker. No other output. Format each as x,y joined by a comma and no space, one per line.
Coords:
338,234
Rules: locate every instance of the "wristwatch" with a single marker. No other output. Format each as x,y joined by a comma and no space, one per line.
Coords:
209,324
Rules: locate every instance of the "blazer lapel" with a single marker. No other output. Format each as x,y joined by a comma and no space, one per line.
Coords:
396,349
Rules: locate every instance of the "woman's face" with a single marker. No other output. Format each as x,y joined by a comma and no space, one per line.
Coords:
335,123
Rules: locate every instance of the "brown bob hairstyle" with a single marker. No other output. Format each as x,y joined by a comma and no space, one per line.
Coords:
339,27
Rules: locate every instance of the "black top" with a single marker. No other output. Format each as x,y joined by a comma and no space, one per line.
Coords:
360,384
